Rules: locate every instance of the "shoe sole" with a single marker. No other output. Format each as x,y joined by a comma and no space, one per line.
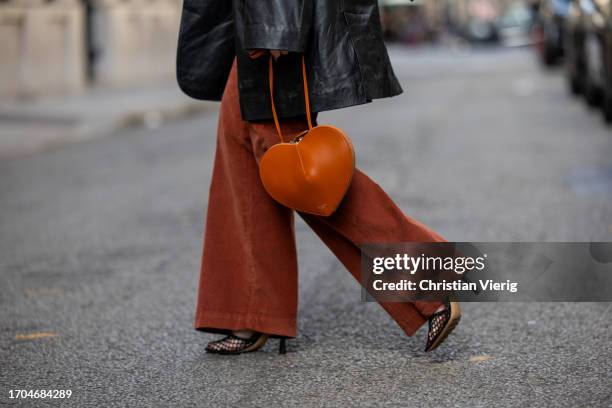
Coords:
253,347
450,326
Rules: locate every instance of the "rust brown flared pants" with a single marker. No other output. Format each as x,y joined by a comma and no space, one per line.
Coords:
249,277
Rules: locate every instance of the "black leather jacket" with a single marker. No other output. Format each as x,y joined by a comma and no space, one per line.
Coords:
345,54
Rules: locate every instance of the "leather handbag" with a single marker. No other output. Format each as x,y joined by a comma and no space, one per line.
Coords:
311,172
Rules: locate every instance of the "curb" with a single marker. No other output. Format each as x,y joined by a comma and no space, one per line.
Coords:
26,134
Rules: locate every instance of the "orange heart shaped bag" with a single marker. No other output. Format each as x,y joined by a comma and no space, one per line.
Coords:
312,172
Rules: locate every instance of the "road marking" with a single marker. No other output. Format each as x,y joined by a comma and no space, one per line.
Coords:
34,336
33,292
478,359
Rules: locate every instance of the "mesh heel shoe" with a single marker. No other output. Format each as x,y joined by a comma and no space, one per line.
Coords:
232,344
442,323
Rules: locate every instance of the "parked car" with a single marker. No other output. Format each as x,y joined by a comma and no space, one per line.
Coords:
474,20
584,48
594,28
574,46
551,16
515,25
605,36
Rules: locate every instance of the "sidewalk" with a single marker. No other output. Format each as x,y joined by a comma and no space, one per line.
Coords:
30,126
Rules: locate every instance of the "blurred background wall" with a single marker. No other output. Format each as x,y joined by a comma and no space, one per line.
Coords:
416,21
64,46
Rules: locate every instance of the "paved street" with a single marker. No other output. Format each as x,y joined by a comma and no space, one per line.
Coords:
100,248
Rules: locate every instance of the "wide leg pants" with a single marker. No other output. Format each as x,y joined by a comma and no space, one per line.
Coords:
249,277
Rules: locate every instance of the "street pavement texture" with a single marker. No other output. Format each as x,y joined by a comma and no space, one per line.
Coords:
32,125
100,248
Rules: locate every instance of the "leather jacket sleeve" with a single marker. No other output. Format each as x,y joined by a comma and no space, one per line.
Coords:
275,24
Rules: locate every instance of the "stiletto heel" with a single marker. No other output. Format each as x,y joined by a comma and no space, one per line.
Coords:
282,347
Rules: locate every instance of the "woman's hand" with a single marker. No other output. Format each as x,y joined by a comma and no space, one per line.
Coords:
275,53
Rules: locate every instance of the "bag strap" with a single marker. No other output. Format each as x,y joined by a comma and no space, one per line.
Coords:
306,98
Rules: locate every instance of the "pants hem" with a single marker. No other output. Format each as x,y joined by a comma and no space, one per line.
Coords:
220,322
412,326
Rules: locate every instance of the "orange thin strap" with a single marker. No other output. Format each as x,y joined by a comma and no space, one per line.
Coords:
271,81
306,97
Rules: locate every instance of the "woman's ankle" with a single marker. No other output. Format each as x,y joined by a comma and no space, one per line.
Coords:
243,333
441,308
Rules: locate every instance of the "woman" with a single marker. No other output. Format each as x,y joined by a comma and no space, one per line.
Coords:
248,283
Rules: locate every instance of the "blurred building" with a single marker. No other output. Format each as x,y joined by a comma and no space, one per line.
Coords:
409,21
62,46
414,21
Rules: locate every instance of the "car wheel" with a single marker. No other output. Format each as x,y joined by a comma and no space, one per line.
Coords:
574,85
607,108
593,61
550,56
592,94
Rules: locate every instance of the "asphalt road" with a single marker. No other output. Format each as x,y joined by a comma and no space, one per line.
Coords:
100,247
